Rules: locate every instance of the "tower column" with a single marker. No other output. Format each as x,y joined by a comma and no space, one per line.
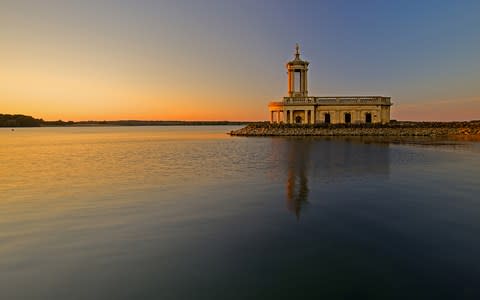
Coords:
305,89
302,82
289,83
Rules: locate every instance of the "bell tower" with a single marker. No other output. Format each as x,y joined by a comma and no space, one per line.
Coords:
297,76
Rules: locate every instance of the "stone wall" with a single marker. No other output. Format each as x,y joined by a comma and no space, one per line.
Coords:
379,113
310,114
391,129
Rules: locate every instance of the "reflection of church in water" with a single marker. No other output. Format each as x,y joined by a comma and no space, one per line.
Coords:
297,180
315,163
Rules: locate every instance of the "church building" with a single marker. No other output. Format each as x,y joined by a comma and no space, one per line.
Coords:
299,108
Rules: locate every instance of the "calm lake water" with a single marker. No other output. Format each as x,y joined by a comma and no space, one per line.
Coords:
192,213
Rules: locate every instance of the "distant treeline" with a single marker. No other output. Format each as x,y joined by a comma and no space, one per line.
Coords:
28,121
19,121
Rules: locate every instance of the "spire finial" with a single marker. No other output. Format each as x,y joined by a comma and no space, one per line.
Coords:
297,48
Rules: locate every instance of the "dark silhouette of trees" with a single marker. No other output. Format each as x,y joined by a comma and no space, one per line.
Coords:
19,121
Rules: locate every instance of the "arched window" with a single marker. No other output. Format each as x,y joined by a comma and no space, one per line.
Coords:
298,120
348,118
368,118
327,118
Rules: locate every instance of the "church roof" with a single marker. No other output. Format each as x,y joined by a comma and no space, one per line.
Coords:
297,60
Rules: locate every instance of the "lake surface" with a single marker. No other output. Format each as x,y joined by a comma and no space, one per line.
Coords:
192,213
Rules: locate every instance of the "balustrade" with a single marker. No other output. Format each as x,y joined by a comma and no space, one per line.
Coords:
336,100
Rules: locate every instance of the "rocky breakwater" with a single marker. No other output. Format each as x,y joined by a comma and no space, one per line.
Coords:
394,128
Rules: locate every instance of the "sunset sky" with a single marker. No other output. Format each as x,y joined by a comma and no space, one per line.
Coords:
225,59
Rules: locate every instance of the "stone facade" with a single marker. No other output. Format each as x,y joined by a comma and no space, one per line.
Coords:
299,108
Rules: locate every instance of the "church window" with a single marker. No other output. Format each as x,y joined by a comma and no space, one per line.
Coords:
327,118
348,118
368,118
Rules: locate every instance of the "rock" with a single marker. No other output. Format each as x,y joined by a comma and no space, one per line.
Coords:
398,128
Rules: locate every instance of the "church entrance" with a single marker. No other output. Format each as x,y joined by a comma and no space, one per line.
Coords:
298,120
327,119
348,118
368,118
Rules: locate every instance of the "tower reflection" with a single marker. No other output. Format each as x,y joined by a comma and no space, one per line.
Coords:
309,164
297,180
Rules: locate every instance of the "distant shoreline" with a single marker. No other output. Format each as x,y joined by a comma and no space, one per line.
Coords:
15,121
135,123
394,128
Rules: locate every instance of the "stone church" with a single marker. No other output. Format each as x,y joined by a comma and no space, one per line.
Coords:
299,108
